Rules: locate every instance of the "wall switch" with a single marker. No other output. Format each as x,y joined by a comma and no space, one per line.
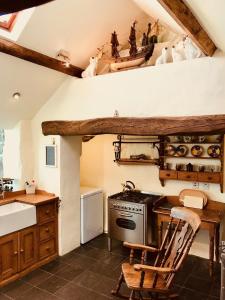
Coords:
205,186
195,185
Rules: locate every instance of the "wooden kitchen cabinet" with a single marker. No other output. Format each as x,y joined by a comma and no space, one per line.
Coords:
29,248
8,256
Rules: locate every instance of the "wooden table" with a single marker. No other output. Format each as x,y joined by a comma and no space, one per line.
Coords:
211,217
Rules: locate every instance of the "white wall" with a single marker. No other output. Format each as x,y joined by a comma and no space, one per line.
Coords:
185,88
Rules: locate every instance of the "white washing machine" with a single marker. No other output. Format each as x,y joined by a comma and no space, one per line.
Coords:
91,203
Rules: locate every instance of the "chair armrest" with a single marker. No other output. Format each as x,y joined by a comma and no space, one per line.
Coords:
139,267
140,247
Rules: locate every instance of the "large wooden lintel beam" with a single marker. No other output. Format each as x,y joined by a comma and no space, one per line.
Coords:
8,6
181,13
138,126
16,50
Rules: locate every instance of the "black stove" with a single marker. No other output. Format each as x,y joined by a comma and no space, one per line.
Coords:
135,197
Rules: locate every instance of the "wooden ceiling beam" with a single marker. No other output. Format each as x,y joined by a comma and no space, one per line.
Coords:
9,6
138,126
18,51
181,13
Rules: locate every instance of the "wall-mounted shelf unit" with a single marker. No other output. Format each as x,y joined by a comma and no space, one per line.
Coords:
212,176
136,159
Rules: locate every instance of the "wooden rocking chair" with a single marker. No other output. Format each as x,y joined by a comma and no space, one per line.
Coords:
156,280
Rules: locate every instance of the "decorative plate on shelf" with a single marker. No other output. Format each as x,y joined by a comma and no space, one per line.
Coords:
197,151
181,150
170,150
188,138
214,151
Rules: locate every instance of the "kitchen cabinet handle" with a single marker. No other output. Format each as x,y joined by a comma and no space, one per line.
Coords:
21,250
188,176
168,174
47,212
15,253
47,229
209,178
47,248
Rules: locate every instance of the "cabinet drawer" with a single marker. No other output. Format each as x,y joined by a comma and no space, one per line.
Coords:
209,177
47,249
47,231
46,211
188,176
168,174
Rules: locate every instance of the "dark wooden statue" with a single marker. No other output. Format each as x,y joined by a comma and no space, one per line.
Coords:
132,40
115,44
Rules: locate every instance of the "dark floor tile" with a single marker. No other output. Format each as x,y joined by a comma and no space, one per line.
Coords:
36,277
186,294
88,279
96,253
74,292
15,289
37,294
112,259
54,266
69,272
105,285
198,284
52,284
215,287
201,268
106,270
81,261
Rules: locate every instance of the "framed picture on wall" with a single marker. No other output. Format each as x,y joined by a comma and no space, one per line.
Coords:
50,156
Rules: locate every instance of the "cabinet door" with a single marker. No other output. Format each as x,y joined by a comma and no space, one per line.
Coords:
8,255
28,247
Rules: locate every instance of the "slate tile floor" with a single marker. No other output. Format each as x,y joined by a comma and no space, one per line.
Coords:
90,272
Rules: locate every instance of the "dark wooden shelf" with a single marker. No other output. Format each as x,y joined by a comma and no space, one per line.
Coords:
192,157
128,161
192,143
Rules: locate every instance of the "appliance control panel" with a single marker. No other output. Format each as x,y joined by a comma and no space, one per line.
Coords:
127,206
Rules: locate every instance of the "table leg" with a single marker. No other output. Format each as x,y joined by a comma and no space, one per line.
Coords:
217,243
211,250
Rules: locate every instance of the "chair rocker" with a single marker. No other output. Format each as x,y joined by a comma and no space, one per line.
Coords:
156,281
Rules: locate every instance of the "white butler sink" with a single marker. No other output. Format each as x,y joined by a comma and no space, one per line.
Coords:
15,216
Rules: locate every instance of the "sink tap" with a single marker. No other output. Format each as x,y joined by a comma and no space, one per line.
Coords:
128,186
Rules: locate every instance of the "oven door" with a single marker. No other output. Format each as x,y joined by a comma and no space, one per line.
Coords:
126,226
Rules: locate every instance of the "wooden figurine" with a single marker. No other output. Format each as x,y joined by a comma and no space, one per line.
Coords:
132,40
115,44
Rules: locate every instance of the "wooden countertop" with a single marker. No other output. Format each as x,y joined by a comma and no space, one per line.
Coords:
38,198
214,211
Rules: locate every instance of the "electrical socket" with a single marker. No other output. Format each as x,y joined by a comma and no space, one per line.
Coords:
195,185
205,186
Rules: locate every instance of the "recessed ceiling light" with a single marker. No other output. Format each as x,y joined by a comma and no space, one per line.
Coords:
16,96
